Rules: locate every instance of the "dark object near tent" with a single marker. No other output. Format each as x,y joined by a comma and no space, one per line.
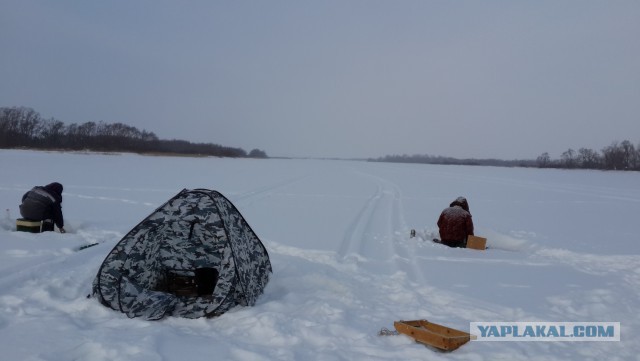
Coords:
195,256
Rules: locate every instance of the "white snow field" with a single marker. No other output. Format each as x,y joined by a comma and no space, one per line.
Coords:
564,247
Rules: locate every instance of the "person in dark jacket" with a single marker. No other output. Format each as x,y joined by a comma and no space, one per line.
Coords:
455,223
44,204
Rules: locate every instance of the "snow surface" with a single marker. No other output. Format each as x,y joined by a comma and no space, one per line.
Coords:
563,248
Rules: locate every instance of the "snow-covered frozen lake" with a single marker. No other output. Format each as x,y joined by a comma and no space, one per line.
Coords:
563,248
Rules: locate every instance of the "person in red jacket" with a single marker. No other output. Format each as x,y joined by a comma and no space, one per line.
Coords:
455,223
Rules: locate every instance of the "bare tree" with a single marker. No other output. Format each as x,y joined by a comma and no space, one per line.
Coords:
569,158
588,158
257,153
543,160
52,133
629,154
613,157
18,125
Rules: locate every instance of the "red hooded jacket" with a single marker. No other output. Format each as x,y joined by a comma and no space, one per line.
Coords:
455,223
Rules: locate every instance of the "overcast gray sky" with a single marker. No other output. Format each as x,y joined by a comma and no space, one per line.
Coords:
478,79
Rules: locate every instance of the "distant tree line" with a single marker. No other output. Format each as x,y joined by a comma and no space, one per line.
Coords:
617,156
429,159
22,127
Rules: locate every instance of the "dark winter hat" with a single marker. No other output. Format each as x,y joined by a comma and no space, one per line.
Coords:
54,187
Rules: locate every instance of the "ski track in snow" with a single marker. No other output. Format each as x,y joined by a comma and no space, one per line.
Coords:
376,232
247,198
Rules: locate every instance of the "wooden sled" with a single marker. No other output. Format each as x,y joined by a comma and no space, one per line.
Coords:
432,334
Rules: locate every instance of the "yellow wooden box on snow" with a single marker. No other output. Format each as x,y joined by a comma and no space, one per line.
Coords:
433,334
24,225
475,242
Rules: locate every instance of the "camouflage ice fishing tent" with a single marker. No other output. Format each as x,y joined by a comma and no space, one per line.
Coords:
195,256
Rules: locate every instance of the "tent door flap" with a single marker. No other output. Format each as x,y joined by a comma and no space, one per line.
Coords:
190,283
